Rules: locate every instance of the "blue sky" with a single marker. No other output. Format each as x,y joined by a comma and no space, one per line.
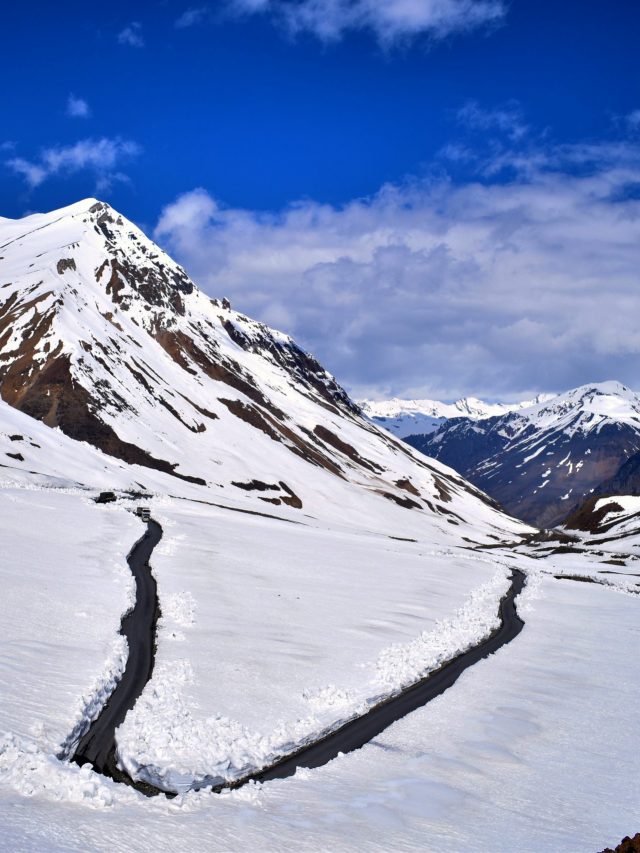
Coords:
412,188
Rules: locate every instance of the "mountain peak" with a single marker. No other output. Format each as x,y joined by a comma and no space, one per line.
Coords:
94,317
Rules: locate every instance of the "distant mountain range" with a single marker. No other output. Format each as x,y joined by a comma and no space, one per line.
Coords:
542,461
413,417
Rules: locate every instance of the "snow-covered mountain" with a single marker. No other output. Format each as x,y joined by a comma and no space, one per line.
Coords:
105,338
543,461
413,417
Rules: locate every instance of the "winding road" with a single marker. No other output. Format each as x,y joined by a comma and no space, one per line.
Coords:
358,732
97,746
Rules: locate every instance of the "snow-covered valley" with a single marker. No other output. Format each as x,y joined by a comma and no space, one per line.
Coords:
530,749
311,566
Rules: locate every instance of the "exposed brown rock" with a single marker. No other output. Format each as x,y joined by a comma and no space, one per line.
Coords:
589,519
256,486
443,492
250,414
115,285
308,452
51,396
171,345
65,264
408,486
290,498
101,269
109,317
176,415
407,503
211,415
305,369
180,345
627,845
279,432
336,442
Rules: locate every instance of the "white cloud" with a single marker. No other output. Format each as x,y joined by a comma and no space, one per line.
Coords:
388,20
100,156
192,17
33,174
131,35
77,107
431,288
506,119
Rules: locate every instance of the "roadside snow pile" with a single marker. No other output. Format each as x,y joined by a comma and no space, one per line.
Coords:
32,772
402,665
91,704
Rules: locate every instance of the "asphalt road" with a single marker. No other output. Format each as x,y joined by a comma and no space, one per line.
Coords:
97,746
360,731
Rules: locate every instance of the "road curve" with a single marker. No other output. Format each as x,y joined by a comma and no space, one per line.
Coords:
97,746
361,730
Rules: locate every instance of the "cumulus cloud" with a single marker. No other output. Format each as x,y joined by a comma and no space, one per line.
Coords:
192,17
100,156
389,21
131,35
492,287
77,107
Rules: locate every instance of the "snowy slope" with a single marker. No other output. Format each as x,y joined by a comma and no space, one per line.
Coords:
542,462
413,417
615,518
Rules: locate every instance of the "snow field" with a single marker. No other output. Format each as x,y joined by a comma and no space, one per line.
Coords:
65,584
533,750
